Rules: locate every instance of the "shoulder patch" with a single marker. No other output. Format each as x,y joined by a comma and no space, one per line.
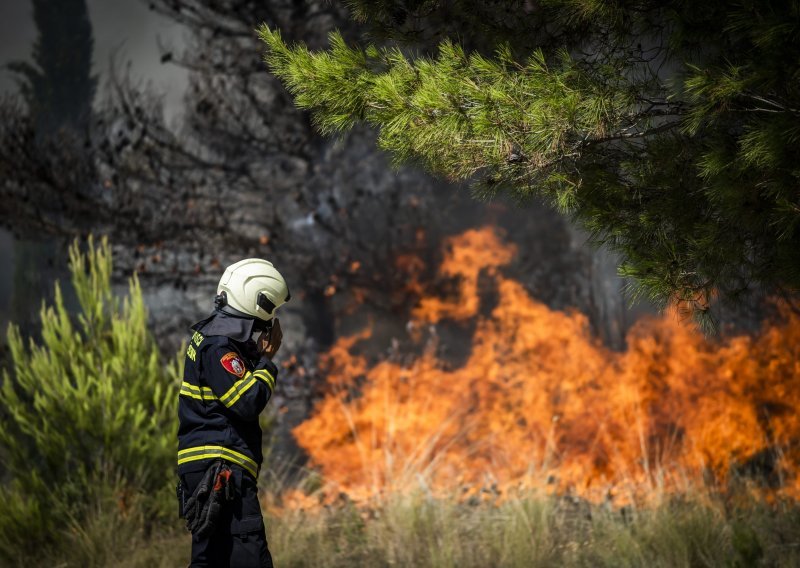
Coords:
233,364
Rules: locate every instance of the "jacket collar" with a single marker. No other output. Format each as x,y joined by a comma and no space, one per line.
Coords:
220,323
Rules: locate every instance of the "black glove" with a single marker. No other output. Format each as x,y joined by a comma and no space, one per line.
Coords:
204,507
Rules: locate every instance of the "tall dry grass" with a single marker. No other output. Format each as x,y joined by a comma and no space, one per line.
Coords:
531,531
417,529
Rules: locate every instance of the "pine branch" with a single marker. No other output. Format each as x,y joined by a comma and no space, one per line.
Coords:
458,114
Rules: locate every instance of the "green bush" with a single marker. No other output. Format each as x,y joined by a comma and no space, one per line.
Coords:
87,418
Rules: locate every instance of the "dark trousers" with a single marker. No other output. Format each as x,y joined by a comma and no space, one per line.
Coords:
240,540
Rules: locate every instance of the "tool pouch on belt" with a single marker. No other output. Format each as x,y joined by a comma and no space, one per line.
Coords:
203,509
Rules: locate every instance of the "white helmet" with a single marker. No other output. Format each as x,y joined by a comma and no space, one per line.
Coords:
254,287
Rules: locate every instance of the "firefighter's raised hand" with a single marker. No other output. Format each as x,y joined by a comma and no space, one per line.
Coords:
270,343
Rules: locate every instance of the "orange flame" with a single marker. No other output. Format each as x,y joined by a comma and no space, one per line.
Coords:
540,403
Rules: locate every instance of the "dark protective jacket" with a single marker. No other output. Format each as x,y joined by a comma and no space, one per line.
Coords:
225,387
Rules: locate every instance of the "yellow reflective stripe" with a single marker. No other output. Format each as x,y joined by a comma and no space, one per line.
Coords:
216,454
191,394
239,455
265,376
233,394
208,452
196,388
238,389
242,391
200,393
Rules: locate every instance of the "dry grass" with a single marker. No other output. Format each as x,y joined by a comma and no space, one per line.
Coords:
418,530
537,531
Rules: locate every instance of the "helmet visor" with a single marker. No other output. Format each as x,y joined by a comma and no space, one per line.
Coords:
265,303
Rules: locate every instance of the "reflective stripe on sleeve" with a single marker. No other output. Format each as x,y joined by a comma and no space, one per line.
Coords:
210,452
233,394
265,376
238,389
200,393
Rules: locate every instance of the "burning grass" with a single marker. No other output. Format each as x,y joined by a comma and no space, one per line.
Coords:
544,448
540,404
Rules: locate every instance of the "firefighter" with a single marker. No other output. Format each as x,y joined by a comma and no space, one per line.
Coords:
228,379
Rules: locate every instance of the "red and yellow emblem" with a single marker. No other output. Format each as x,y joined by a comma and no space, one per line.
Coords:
233,364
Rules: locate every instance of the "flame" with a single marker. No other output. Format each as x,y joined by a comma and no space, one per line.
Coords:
473,253
541,403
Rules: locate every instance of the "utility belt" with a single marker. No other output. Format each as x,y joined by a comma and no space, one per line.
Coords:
197,453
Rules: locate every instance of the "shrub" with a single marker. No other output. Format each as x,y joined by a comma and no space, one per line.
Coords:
87,416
